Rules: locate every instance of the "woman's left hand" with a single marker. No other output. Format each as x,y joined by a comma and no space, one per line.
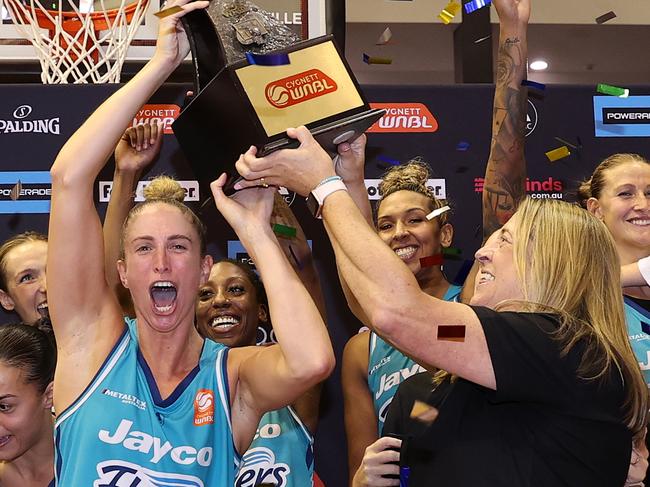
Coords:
248,211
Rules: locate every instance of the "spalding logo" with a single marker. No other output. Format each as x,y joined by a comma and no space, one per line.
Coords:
298,88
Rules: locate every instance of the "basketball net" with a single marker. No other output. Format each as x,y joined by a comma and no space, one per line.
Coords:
76,47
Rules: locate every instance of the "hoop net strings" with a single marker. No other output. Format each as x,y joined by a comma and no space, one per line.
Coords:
83,54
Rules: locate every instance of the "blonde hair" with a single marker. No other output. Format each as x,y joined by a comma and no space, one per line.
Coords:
412,176
593,187
10,244
568,265
166,190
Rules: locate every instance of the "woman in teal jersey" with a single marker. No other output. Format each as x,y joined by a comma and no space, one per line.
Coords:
151,401
401,225
27,361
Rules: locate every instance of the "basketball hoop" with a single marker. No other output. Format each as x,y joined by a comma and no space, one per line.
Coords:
78,47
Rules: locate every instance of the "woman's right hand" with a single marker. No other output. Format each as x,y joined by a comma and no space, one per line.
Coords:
172,45
377,462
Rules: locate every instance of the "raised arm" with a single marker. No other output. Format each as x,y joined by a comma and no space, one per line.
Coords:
137,147
505,174
298,253
272,377
85,315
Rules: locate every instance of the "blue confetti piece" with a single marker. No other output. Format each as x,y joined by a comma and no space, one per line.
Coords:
392,162
462,146
474,5
645,327
366,58
279,59
533,84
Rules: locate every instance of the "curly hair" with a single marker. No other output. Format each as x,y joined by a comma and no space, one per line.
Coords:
412,176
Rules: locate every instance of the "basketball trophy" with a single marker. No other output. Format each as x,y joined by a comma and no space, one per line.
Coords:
254,78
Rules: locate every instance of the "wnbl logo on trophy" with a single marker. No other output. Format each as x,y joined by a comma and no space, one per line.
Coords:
298,88
204,407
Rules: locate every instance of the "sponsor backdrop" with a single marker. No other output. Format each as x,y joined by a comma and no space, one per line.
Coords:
447,126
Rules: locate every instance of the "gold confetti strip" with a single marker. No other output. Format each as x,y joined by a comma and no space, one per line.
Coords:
166,12
421,411
559,153
449,12
385,37
16,190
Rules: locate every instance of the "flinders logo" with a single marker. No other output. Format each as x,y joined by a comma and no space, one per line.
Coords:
22,124
299,88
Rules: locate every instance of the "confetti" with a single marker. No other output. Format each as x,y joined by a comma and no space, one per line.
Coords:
166,12
376,60
562,141
279,59
451,251
431,260
421,411
451,333
392,162
385,37
449,12
474,5
605,17
533,84
478,41
645,327
462,146
437,212
612,90
14,194
283,230
404,474
559,153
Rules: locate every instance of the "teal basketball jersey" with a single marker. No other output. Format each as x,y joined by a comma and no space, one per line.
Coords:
281,454
640,341
388,367
121,433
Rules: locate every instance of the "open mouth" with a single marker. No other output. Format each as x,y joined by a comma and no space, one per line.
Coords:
225,322
639,222
43,310
485,276
405,253
4,440
163,295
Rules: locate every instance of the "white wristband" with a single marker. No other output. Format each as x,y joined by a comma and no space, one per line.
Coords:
644,268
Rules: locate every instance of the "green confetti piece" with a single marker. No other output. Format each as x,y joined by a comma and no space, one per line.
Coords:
284,230
612,90
451,251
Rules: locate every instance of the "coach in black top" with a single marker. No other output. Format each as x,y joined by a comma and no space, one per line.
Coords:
548,391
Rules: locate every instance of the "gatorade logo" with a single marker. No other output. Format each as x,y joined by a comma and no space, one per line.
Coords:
165,114
204,407
298,88
404,117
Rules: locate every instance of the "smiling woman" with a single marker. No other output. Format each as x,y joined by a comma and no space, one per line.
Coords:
22,276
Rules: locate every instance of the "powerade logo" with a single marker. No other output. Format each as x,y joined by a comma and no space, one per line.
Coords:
116,473
622,117
404,117
437,186
22,124
191,190
34,195
165,114
299,88
259,467
549,188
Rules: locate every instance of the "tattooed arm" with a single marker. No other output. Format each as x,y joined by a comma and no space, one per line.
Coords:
505,174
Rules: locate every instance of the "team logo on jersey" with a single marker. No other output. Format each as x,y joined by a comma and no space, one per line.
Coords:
204,407
258,467
116,473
